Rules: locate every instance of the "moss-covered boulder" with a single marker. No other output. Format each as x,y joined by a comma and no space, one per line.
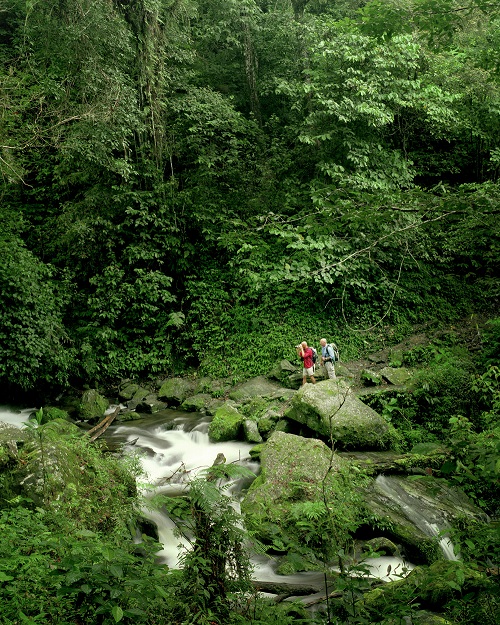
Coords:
295,470
342,371
332,410
151,404
256,451
92,405
390,462
127,391
267,423
397,376
416,511
226,424
51,412
430,587
381,545
197,403
175,390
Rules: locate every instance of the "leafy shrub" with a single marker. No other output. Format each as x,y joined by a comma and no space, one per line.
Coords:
32,334
441,390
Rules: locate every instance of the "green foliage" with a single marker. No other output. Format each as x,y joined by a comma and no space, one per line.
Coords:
216,569
52,570
442,389
32,334
479,546
491,342
475,463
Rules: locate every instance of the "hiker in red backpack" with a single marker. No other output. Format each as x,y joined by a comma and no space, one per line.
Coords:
306,354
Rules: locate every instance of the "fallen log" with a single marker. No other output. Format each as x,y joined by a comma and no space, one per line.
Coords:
288,590
103,425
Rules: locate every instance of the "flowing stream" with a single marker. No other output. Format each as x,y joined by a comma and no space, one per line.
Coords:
173,447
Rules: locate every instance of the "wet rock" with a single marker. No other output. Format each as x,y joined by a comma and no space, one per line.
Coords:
92,405
226,424
415,511
382,545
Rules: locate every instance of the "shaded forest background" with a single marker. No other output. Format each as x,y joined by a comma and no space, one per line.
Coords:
204,183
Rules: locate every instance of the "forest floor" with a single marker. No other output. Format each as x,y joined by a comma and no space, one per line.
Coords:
467,332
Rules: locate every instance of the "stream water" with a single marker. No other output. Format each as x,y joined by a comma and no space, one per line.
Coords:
173,447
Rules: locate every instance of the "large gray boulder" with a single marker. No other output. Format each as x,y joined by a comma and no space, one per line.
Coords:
258,387
332,410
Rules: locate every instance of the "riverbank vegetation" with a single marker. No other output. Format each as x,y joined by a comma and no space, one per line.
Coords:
190,188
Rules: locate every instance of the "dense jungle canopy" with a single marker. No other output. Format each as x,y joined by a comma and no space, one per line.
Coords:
186,180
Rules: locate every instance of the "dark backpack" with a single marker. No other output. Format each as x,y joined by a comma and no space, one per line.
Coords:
314,356
335,350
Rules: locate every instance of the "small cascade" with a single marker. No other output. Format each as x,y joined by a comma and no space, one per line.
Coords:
172,454
420,513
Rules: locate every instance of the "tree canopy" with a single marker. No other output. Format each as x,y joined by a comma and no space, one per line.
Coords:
170,168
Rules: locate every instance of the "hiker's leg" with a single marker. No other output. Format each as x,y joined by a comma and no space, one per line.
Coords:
330,370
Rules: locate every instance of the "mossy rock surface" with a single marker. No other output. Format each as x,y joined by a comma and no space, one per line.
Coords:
128,391
197,403
226,424
256,451
258,387
370,378
51,412
176,390
251,431
382,545
332,410
431,587
396,376
293,469
390,462
92,405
